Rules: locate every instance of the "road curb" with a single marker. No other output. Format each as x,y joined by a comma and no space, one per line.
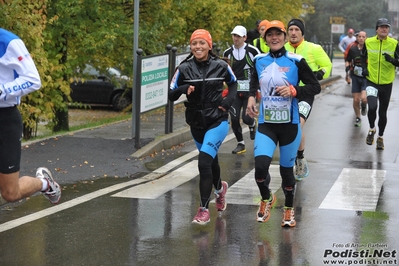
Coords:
164,142
329,80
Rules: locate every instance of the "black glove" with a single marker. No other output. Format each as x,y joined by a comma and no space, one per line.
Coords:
347,68
365,72
389,58
319,74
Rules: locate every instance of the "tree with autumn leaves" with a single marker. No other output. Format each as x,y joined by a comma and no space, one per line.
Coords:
63,35
28,21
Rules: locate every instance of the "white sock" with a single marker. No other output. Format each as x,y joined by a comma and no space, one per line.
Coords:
44,184
241,142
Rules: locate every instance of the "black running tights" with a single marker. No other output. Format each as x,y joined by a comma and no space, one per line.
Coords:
209,170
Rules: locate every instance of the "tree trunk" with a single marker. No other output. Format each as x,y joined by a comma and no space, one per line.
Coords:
27,132
61,122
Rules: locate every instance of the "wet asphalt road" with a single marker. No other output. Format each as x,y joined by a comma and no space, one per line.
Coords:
142,218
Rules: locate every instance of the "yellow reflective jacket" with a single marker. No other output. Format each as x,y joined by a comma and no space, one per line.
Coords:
314,55
260,43
380,71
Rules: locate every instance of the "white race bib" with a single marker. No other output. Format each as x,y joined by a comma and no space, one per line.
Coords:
277,109
304,108
243,85
371,91
358,71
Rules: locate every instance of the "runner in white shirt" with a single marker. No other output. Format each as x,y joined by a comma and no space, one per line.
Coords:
348,39
240,57
18,77
343,44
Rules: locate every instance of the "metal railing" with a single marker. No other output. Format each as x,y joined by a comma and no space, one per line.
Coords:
328,48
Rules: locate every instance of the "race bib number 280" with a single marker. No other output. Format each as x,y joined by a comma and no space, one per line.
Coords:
277,109
277,116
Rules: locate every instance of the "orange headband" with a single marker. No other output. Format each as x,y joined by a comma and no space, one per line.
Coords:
202,34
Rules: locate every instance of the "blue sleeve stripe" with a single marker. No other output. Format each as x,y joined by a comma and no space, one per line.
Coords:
233,76
5,38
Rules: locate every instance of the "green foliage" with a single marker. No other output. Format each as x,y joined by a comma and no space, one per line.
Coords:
27,19
356,13
283,10
165,22
64,35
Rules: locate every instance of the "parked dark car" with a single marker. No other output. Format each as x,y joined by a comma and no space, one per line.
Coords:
94,87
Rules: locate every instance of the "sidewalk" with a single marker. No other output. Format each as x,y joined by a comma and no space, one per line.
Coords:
108,151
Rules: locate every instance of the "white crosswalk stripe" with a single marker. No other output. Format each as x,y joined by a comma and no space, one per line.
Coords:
355,189
246,192
155,188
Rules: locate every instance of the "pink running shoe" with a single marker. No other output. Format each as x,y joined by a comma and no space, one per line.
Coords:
221,197
202,217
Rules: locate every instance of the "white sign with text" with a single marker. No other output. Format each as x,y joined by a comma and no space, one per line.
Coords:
154,82
337,28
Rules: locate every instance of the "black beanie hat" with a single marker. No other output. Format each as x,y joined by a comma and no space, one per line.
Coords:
297,22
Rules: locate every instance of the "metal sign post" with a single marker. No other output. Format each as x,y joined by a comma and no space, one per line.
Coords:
135,116
137,104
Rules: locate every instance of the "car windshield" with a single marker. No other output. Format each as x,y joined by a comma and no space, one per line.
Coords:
91,71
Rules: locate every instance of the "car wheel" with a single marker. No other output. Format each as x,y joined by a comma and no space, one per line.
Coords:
120,102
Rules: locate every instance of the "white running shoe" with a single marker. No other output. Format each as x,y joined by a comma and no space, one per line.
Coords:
53,192
301,169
